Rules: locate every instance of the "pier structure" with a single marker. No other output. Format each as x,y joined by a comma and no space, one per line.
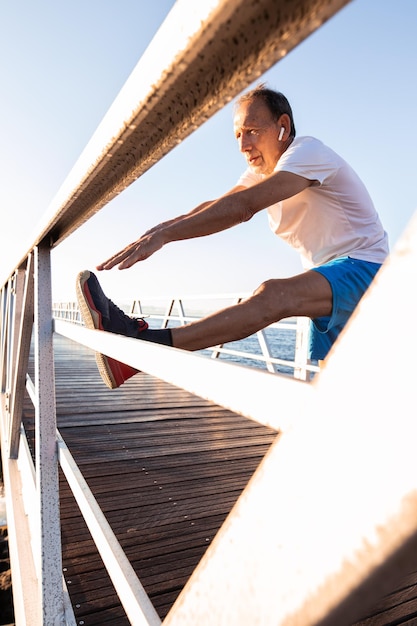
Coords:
211,493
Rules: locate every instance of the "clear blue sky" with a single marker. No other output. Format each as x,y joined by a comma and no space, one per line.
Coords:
352,84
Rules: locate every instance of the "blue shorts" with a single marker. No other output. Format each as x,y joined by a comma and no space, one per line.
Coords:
349,279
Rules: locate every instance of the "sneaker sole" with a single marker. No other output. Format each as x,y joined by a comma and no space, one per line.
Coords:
93,322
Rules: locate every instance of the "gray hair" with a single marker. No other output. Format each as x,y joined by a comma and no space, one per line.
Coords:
276,102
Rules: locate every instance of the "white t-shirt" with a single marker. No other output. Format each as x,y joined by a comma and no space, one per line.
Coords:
334,217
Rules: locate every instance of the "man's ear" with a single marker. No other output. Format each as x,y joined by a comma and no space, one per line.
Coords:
284,123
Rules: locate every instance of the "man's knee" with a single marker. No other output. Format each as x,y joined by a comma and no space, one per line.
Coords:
308,294
271,296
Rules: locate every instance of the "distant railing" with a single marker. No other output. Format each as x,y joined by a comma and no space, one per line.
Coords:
261,353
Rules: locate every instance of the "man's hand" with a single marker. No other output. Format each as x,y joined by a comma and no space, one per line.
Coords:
139,250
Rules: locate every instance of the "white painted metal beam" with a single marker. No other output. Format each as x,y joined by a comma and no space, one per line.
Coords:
329,521
248,391
204,54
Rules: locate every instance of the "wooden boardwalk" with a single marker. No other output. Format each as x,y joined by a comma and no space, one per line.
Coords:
166,468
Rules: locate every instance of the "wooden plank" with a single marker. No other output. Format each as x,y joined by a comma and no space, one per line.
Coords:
398,607
165,466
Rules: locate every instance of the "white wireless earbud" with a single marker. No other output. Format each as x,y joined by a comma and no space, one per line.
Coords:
281,133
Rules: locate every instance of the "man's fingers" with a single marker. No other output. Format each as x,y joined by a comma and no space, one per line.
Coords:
114,260
139,250
111,262
125,258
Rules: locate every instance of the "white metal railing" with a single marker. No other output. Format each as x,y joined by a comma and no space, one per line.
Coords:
110,162
263,567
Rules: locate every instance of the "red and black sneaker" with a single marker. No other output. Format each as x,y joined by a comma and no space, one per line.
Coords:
100,313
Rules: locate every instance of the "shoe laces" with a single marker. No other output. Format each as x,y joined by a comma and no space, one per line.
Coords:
141,322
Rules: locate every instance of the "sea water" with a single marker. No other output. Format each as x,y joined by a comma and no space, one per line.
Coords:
281,343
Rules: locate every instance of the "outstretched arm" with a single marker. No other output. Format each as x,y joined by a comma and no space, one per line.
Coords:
156,238
238,205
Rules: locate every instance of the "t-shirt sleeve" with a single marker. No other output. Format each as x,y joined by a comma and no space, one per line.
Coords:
248,179
309,158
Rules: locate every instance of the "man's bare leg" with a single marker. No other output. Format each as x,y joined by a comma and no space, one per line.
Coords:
307,294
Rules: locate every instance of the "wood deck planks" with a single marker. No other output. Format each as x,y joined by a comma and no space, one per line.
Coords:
166,467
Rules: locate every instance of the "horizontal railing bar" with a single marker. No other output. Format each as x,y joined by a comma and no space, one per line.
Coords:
255,357
229,385
69,311
195,64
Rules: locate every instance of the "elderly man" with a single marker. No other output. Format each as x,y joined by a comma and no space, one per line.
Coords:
315,202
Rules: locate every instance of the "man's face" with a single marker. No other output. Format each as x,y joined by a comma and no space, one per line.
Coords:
257,134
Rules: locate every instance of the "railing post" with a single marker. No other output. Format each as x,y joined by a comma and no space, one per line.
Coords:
266,350
22,331
168,313
7,308
301,348
216,353
47,485
181,311
133,311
